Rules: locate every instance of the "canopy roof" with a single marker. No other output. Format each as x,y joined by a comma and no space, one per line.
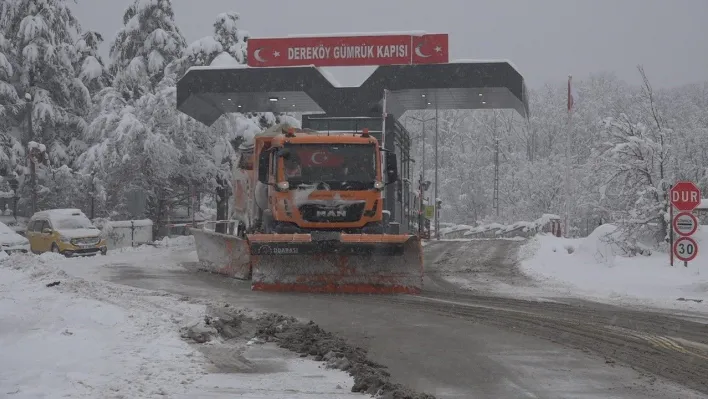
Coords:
206,93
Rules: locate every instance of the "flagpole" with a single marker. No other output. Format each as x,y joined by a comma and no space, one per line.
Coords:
567,159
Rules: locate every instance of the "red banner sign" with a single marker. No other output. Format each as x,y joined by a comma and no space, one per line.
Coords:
348,50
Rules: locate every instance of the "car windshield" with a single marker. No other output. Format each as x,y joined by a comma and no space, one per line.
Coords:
74,222
333,167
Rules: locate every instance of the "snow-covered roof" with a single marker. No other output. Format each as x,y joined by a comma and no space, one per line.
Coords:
225,59
53,214
345,34
482,61
214,67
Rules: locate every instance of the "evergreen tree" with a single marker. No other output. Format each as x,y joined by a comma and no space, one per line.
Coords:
39,37
135,122
92,70
10,150
147,43
232,39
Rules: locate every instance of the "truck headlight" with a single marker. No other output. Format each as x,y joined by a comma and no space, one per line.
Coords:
65,239
283,185
378,185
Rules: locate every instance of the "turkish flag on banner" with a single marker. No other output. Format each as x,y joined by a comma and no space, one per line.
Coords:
430,49
317,158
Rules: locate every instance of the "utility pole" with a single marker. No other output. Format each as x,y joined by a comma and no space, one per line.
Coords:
93,195
495,195
437,211
193,203
33,165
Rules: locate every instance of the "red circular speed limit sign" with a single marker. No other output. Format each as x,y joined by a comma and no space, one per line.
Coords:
685,249
685,224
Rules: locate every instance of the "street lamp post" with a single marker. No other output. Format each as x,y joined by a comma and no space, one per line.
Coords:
437,213
33,166
421,182
14,185
93,194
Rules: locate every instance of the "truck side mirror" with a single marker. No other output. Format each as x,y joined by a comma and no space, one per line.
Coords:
263,163
284,153
391,168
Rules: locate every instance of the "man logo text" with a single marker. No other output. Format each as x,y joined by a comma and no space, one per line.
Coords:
338,213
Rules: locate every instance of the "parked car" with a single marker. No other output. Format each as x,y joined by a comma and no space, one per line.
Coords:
11,242
65,231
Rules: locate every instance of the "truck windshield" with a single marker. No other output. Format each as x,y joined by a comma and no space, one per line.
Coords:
336,167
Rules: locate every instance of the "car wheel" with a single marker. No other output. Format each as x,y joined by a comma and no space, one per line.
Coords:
55,248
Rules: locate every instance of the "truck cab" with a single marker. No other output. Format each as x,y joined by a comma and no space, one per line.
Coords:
311,181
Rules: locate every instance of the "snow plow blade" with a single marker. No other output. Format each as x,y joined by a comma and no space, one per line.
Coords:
222,253
327,262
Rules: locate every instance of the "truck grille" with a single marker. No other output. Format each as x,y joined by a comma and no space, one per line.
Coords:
340,213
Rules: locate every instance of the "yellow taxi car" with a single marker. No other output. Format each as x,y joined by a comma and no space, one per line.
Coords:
65,231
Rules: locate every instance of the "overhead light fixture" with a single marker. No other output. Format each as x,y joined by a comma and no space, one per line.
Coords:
229,99
273,99
428,103
293,105
480,94
422,95
239,106
484,102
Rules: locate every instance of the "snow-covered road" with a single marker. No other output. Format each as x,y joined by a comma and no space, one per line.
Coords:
64,336
481,360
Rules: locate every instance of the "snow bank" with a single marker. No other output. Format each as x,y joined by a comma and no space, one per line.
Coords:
62,340
63,336
493,230
593,267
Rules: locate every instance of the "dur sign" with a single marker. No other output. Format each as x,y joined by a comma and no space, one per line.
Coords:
399,49
685,196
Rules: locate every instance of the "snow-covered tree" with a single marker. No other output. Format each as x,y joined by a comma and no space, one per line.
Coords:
38,42
147,43
638,156
208,151
92,70
228,33
10,150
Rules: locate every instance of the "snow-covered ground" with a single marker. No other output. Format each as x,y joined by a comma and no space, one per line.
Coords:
596,270
92,339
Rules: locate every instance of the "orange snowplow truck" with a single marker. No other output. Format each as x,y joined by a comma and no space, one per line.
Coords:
308,211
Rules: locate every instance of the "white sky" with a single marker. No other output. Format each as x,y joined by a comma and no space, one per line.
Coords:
545,39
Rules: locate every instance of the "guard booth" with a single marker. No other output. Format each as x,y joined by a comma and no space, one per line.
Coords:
397,197
207,93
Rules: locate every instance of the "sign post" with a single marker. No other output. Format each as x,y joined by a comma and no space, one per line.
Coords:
685,196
